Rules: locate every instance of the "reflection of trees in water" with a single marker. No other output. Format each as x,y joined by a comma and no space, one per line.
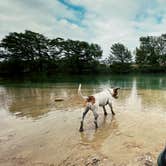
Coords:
143,99
94,137
150,99
5,99
35,102
134,101
30,102
151,82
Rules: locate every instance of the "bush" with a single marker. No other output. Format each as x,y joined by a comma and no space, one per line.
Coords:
151,69
121,68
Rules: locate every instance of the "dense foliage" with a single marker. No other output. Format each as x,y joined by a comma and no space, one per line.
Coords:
31,52
151,55
120,58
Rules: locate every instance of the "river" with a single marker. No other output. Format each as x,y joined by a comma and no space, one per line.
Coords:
35,130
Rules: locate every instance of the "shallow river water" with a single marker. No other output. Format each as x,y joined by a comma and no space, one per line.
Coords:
35,130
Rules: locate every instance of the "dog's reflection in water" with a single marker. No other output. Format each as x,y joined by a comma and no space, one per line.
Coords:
96,137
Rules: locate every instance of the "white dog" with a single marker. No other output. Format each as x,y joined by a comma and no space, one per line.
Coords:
99,99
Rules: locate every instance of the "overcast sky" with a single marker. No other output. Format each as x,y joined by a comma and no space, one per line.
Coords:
100,21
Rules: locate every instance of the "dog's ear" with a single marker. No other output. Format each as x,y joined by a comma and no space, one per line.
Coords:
116,89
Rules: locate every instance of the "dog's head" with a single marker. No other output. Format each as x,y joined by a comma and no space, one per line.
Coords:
114,92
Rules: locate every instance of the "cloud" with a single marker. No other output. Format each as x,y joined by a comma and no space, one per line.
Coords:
100,21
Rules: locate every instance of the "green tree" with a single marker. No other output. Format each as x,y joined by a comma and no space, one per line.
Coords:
79,56
120,58
147,52
161,49
119,54
151,54
29,47
33,52
56,48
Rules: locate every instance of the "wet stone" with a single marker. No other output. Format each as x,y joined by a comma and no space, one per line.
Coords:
93,161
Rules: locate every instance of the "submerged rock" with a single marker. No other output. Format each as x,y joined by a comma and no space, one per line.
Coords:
93,161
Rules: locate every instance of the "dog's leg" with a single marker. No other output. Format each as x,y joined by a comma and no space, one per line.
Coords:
110,105
105,112
95,116
83,116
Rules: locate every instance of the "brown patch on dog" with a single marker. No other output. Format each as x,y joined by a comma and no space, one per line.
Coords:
91,99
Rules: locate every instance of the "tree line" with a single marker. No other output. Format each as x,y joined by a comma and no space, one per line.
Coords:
151,54
31,52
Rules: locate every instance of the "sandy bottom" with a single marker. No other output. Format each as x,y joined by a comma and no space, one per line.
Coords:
36,131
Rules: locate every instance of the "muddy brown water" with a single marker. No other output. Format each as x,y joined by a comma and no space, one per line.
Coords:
35,130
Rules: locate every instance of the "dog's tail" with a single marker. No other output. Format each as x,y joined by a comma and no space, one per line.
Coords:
79,92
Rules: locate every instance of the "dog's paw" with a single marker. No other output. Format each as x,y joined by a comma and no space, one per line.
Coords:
81,130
